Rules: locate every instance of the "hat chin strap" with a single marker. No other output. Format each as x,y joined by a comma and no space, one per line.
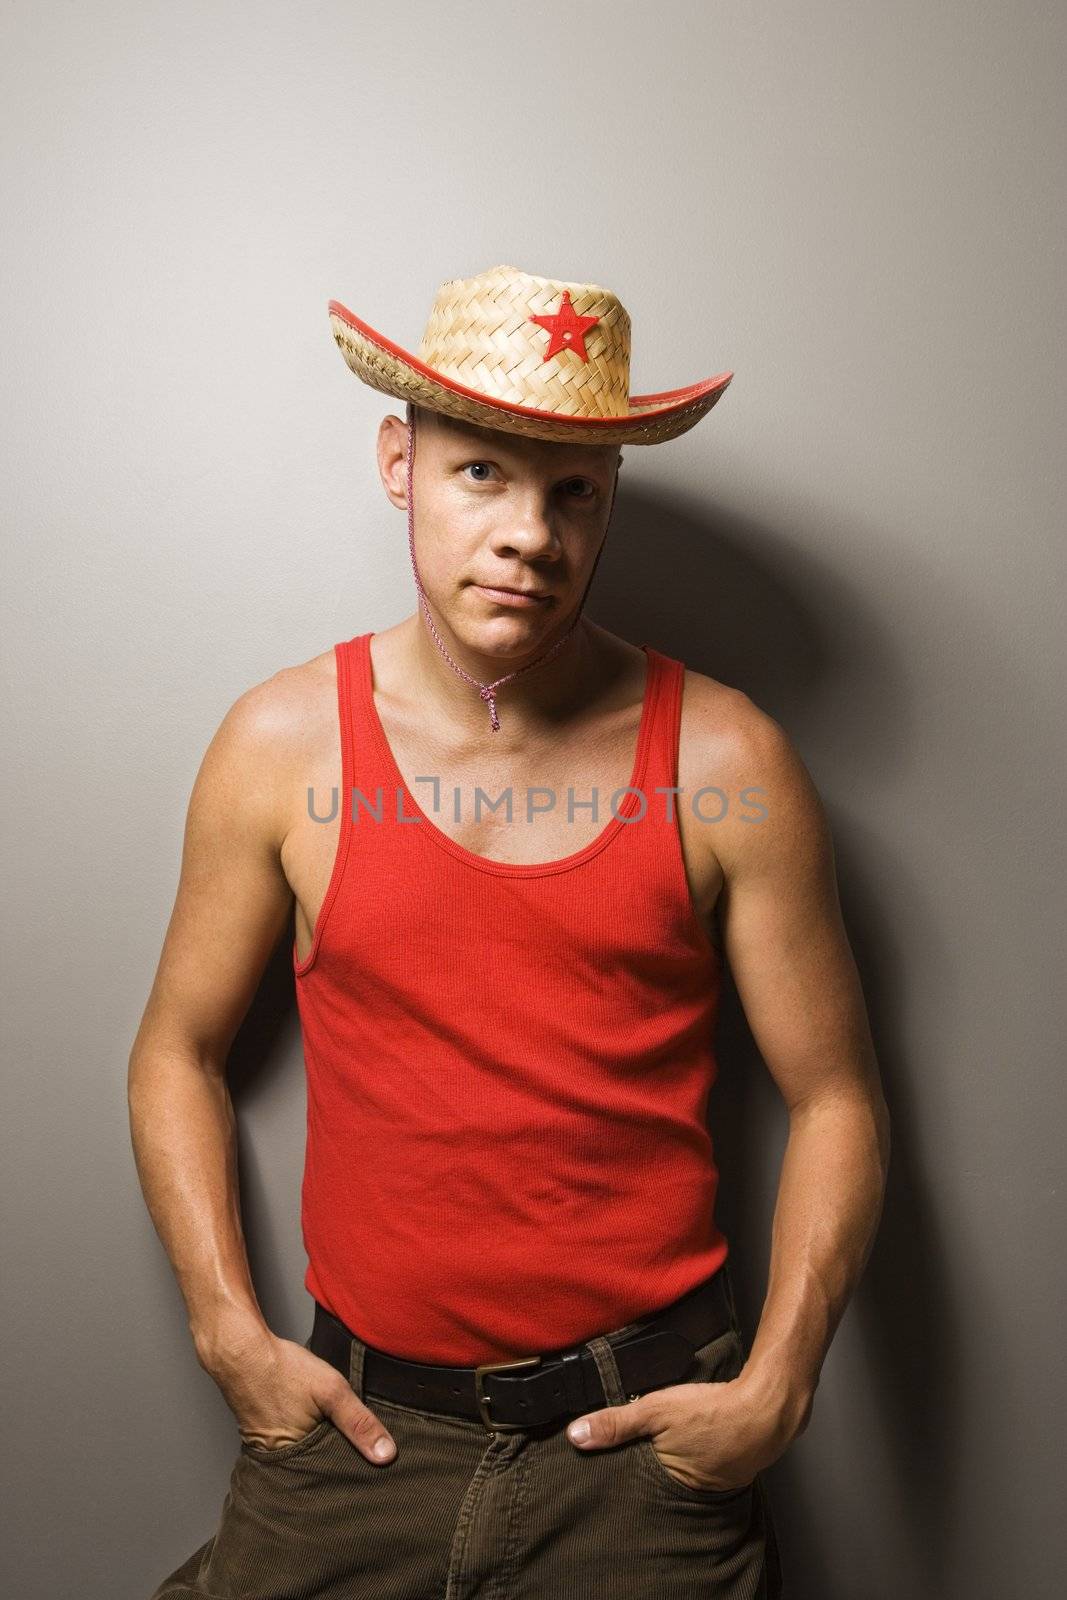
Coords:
487,691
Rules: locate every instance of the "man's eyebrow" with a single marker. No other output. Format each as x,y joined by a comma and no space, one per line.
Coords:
486,450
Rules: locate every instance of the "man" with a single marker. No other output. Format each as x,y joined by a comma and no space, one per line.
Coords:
509,938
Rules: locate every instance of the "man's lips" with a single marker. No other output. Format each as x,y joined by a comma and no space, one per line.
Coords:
506,596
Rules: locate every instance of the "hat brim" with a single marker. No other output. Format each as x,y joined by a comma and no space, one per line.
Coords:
386,366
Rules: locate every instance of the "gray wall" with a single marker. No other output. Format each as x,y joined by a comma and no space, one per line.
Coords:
854,207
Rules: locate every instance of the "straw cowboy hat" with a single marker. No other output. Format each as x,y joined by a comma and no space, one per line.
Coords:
528,355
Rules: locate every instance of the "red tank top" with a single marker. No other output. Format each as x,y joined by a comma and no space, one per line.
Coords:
507,1065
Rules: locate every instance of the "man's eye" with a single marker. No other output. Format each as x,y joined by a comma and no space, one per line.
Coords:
577,488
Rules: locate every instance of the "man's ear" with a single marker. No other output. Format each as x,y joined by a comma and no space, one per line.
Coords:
391,455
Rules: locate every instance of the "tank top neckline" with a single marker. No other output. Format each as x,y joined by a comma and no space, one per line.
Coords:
515,869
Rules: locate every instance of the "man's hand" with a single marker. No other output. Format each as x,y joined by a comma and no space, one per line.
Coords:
708,1435
279,1391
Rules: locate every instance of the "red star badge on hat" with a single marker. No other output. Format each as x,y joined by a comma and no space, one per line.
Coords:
567,328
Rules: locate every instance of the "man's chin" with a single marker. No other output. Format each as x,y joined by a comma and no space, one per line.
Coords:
505,631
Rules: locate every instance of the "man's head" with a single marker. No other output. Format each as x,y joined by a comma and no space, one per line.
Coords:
525,380
500,510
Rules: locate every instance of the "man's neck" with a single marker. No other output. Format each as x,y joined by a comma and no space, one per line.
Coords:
549,692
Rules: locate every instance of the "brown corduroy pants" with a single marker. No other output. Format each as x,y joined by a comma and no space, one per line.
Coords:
464,1514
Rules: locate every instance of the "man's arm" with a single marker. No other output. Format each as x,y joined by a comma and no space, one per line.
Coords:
795,975
784,938
231,906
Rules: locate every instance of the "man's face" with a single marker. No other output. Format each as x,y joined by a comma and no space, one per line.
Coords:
497,512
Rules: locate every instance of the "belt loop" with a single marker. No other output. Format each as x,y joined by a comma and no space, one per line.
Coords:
608,1368
355,1366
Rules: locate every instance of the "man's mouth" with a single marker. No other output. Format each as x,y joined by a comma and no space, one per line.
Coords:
515,597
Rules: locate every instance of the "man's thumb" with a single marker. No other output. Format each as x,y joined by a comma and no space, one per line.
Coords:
610,1425
359,1424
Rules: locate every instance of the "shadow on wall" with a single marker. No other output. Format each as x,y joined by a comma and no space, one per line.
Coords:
755,610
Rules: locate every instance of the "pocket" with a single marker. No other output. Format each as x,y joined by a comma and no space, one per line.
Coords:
721,1359
295,1447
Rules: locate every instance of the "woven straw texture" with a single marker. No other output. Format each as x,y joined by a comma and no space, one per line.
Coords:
482,336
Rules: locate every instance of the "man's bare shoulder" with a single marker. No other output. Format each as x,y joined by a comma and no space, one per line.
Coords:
278,709
730,743
282,715
272,730
720,721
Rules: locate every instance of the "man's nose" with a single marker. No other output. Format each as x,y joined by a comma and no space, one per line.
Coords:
527,529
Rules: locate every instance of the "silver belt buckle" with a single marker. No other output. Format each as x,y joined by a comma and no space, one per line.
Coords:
484,1400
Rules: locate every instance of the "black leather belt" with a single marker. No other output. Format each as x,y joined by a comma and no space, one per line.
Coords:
510,1395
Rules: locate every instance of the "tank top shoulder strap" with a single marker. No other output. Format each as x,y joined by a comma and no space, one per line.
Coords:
346,658
355,707
360,766
662,762
345,661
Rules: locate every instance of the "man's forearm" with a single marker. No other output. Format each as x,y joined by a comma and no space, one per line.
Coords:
184,1139
829,1203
